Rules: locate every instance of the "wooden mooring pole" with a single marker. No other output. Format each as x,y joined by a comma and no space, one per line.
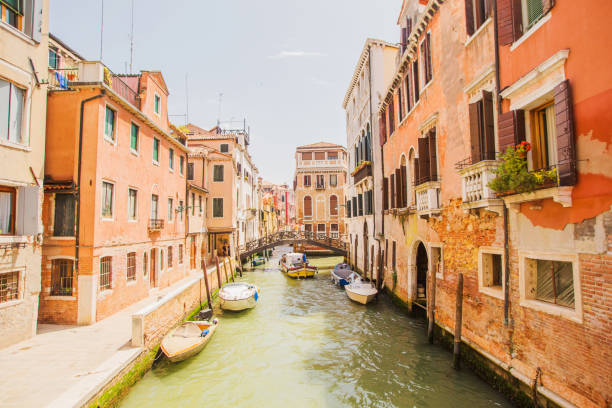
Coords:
458,320
225,268
431,305
206,283
219,281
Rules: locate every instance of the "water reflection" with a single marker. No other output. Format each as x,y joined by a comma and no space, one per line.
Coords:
307,345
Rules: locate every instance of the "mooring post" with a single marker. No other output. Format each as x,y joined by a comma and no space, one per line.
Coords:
458,320
206,283
431,305
218,272
239,259
225,268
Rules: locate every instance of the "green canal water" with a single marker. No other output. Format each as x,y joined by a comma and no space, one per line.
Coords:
307,345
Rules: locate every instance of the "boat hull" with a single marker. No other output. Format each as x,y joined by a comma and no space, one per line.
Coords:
193,349
299,272
239,304
359,298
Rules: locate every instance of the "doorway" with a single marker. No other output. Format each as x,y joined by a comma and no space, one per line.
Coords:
422,267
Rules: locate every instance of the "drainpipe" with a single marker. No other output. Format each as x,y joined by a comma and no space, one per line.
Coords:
506,223
78,186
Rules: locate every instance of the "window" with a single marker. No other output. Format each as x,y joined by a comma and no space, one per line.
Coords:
12,12
492,270
63,219
7,210
355,209
332,156
182,209
307,156
108,190
156,150
543,137
555,282
217,207
134,137
321,228
426,59
109,124
190,171
307,227
224,148
170,209
533,11
131,266
482,131
11,112
307,206
200,203
476,13
320,181
161,259
415,80
169,257
514,21
145,263
180,254
348,209
427,160
218,172
9,286
319,155
333,180
54,59
132,204
171,159
106,273
192,203
182,165
360,200
307,180
157,104
369,205
154,206
333,205
61,277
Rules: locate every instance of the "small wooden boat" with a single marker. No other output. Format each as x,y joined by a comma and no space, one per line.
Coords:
294,266
260,260
238,296
340,274
359,290
188,339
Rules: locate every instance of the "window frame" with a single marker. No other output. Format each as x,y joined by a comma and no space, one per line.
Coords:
133,126
113,139
215,167
493,291
135,218
156,207
157,104
307,177
182,165
19,293
171,159
130,266
170,209
112,204
221,147
536,135
54,277
156,142
110,280
13,192
23,130
213,205
55,215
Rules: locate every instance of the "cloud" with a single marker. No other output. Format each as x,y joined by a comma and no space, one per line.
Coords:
295,54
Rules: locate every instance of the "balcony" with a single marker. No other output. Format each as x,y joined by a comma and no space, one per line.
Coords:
428,199
320,186
361,172
156,224
88,72
320,163
475,180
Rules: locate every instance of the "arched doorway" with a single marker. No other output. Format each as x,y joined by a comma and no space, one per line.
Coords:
365,249
422,267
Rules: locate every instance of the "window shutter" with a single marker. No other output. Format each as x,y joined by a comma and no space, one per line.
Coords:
385,193
423,160
475,132
307,206
415,78
509,21
408,93
404,186
28,199
433,156
400,104
566,147
391,110
511,129
415,172
398,188
392,191
469,17
428,61
37,18
489,126
403,41
382,128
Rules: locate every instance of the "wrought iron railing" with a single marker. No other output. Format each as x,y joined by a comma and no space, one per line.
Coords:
156,224
335,240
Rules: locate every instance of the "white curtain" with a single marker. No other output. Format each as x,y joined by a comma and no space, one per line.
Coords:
16,114
5,212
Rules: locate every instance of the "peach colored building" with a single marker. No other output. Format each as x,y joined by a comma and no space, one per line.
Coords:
534,263
320,177
114,207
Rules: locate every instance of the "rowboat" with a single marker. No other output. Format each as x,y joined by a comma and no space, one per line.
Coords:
340,274
294,266
359,290
260,260
188,339
238,296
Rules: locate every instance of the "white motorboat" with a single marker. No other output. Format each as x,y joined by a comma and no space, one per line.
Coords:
294,266
359,290
238,296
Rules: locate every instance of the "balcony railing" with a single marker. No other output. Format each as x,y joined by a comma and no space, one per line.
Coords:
428,198
320,186
363,171
59,78
319,163
475,181
156,224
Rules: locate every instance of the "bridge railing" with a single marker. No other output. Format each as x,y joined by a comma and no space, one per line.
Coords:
335,240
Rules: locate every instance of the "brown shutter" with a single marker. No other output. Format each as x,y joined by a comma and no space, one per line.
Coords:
408,93
400,105
385,193
547,5
392,191
433,155
415,78
415,177
423,160
475,132
383,128
566,145
307,206
489,126
511,129
509,21
428,60
398,188
469,16
404,186
391,112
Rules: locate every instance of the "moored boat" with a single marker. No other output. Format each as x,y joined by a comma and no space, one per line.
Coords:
340,274
188,339
238,296
260,260
294,266
359,290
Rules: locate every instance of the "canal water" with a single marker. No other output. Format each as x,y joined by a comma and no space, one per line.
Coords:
307,345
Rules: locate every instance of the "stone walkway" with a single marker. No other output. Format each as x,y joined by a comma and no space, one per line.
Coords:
39,371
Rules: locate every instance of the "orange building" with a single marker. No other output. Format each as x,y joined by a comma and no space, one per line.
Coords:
114,225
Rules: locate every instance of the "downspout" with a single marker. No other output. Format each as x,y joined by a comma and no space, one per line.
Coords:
506,223
78,186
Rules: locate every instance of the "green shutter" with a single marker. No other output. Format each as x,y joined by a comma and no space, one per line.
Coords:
134,138
155,149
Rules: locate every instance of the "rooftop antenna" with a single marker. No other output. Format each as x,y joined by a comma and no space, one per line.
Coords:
219,113
101,29
186,98
131,39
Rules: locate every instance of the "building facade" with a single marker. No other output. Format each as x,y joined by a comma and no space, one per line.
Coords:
112,234
495,173
320,177
370,80
24,28
196,210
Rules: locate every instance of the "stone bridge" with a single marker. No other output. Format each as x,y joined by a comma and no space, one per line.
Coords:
334,244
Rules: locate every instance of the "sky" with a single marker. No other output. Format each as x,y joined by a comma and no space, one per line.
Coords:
283,65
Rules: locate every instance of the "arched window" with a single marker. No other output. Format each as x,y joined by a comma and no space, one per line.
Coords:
333,205
307,206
